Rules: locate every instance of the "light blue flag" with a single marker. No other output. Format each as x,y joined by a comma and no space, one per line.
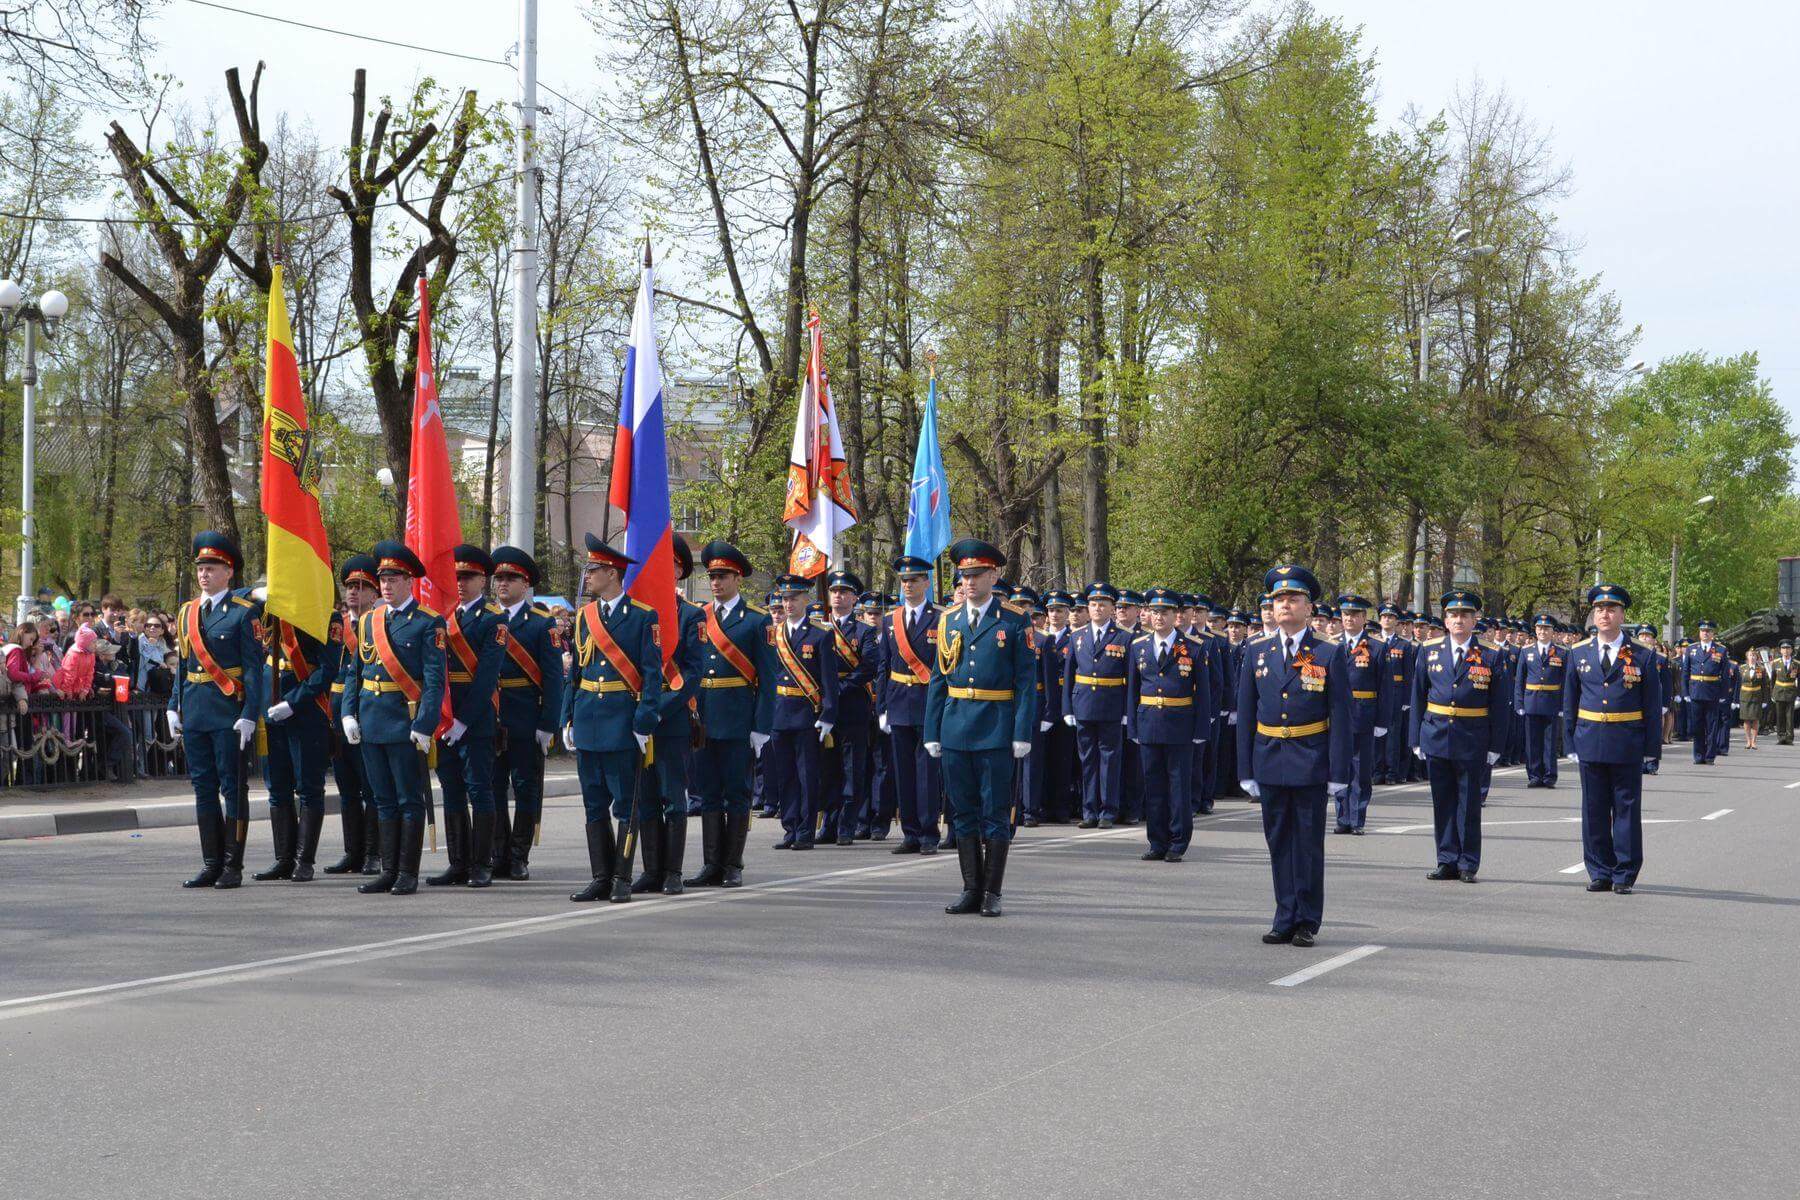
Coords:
928,501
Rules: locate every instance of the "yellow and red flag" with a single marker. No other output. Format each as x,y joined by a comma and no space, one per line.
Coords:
301,590
818,505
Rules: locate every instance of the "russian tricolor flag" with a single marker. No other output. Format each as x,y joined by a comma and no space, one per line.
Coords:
640,471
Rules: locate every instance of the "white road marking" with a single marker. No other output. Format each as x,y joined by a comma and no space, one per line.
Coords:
1577,869
1716,815
1330,964
1484,824
1790,787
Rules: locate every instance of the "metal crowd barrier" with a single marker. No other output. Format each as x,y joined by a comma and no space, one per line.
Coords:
64,743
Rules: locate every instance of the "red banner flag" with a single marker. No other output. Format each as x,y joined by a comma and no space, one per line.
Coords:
433,527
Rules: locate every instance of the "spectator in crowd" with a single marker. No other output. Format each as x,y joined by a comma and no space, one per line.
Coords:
44,652
24,659
114,629
155,679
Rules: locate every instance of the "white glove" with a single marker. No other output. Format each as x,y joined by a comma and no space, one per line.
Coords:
569,736
1419,751
280,712
545,739
246,729
1043,727
1021,749
643,741
1251,788
935,749
757,742
1381,731
260,593
1126,720
1199,741
174,723
824,728
1573,761
1069,720
352,731
422,741
1493,757
1232,720
883,723
456,730
1338,789
1406,708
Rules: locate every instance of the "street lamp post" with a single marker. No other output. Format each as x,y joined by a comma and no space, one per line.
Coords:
1674,559
47,312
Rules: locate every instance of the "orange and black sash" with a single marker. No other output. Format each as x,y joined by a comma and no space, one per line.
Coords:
791,661
920,671
522,658
465,654
290,648
390,661
196,645
598,635
728,649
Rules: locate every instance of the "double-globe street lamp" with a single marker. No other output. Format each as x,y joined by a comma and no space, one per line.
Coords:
50,309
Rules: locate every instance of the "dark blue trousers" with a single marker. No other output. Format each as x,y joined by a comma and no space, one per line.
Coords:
608,783
665,783
846,783
915,786
295,768
1612,820
1131,780
520,769
793,776
878,794
1203,785
1294,827
1722,729
722,771
1353,805
1168,799
213,759
465,771
1101,745
1703,715
1456,809
1540,748
396,777
979,783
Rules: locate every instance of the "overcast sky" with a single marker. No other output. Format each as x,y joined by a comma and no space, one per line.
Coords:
1681,122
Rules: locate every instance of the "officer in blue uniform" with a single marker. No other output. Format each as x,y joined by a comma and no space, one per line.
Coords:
531,708
858,650
737,707
1704,669
217,697
1209,722
1728,711
805,713
1293,748
663,800
1372,705
299,735
356,803
908,648
1543,665
612,706
1237,631
1612,710
1168,691
1397,652
475,648
1459,713
400,653
980,713
1059,782
1094,705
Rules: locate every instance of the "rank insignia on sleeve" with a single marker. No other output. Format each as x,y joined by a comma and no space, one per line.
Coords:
555,638
438,637
500,634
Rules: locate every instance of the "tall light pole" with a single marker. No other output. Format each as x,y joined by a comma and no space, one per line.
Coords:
47,312
522,463
1674,558
1423,371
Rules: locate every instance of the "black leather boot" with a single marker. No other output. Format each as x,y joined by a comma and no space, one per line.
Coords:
621,882
312,823
996,873
601,853
968,856
518,867
674,849
284,831
502,839
236,832
712,834
731,849
350,816
412,844
388,841
650,835
212,854
481,845
372,864
456,850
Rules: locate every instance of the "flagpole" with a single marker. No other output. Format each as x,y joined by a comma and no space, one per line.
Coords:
522,461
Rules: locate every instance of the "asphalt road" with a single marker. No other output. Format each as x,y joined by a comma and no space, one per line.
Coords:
828,1032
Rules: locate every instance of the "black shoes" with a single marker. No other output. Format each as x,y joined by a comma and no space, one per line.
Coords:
388,837
1600,885
1341,828
1302,938
674,846
929,848
1356,831
284,831
601,853
1444,871
712,835
1278,937
1107,822
371,838
312,823
993,874
1621,889
232,875
650,834
1171,857
905,848
1152,856
731,853
212,854
968,856
456,847
1466,876
350,814
1089,823
481,846
621,880
412,844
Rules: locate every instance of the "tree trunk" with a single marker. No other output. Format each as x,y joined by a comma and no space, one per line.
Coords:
1097,557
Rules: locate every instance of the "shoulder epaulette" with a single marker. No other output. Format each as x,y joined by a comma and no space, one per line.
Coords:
428,610
756,608
1010,607
1581,643
639,604
1431,642
494,608
819,623
1136,638
244,600
538,610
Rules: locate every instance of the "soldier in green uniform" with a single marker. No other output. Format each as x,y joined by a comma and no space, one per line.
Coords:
1784,682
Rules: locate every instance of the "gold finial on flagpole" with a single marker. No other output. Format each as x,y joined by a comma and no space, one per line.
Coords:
931,364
